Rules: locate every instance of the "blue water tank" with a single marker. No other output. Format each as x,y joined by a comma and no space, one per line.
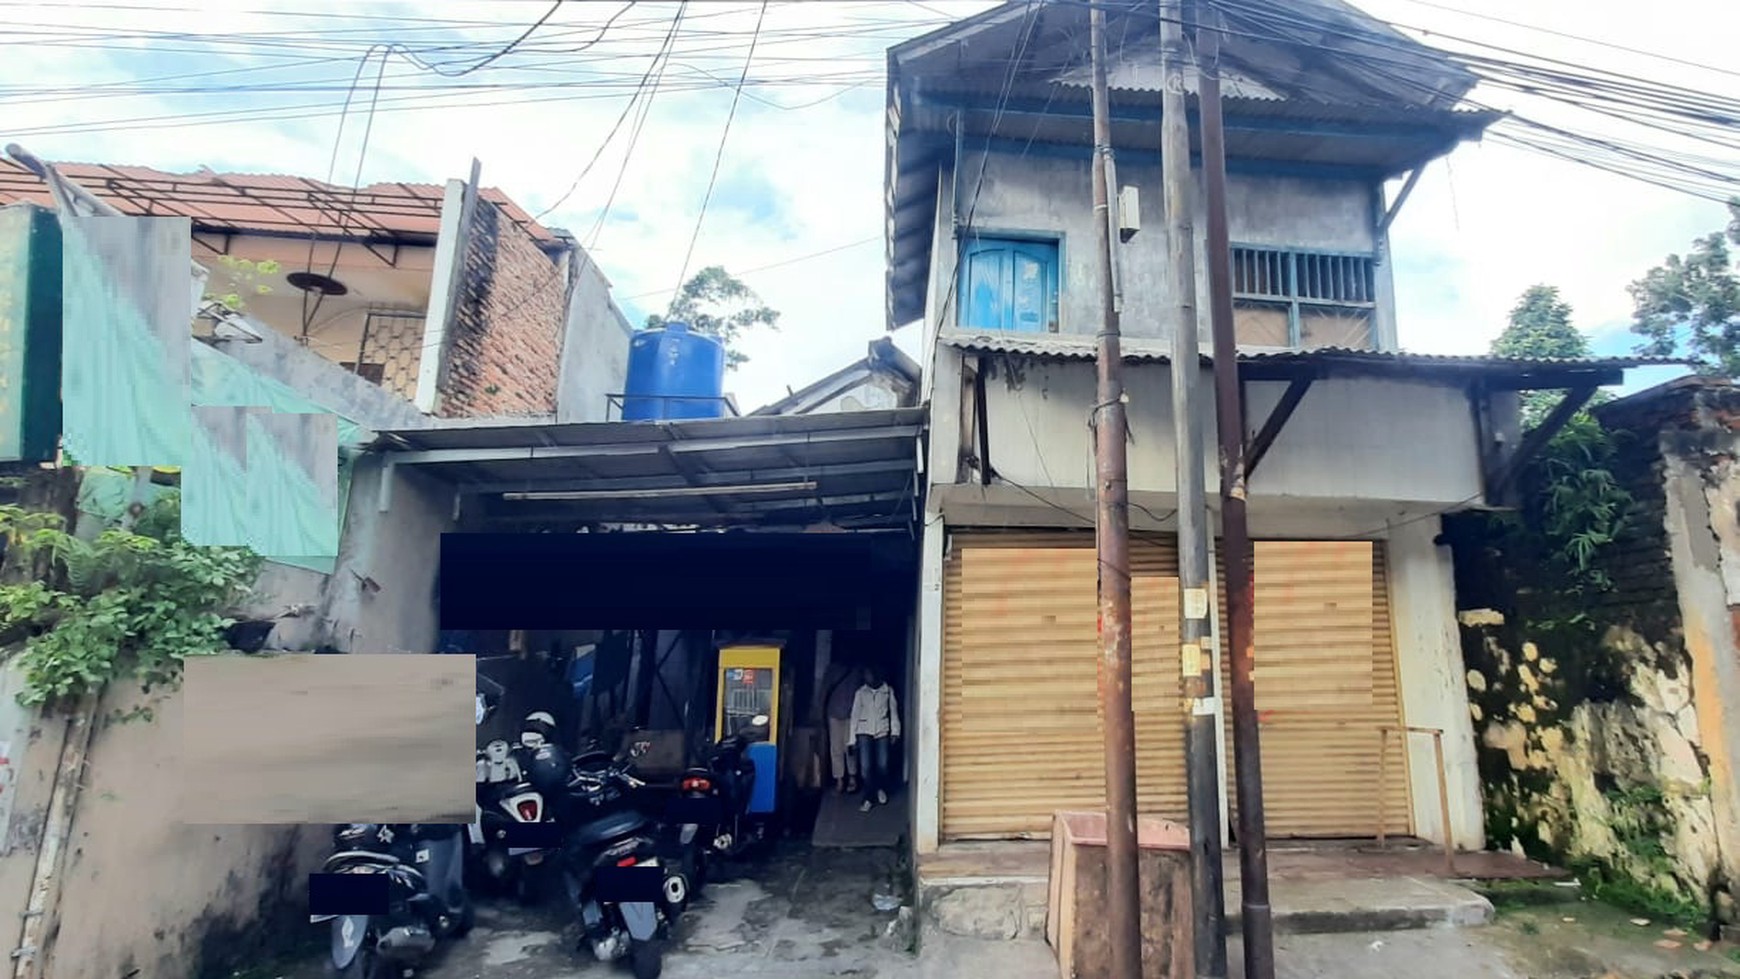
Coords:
674,374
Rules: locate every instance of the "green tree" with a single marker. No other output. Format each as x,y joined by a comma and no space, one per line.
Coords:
1572,505
1540,327
1690,305
716,303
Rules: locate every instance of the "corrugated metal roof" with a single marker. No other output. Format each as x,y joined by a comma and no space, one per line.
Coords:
260,202
1081,347
849,468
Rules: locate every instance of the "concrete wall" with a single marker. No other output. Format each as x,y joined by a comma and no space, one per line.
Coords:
144,894
1429,673
1608,727
1052,195
320,380
1349,439
382,597
143,890
594,361
504,348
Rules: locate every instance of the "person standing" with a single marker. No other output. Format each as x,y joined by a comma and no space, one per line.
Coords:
842,753
875,728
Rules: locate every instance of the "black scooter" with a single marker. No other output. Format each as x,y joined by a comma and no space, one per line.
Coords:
427,902
719,793
624,893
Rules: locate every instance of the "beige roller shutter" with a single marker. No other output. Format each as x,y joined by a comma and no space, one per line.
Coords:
1021,736
1326,681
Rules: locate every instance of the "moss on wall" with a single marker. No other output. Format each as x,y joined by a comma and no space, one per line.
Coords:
1579,697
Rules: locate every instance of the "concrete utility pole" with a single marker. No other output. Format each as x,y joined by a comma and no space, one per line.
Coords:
1112,541
1196,650
1258,930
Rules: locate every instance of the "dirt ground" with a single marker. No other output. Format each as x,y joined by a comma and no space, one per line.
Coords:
812,913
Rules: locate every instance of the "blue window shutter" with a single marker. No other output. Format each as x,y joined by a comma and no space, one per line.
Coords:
1009,285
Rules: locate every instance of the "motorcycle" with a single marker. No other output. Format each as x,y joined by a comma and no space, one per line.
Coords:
625,894
514,832
426,897
714,801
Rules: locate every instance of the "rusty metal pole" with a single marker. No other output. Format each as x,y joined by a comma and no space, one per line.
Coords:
1196,655
1112,540
1258,926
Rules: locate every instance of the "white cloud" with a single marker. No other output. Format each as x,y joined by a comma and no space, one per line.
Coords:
1475,233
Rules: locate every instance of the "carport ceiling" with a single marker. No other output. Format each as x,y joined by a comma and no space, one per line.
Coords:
852,469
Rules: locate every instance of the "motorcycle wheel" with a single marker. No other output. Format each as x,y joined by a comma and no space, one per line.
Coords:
646,959
529,887
694,867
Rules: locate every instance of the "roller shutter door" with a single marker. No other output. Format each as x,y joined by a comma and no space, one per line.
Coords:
1021,733
1326,681
1021,736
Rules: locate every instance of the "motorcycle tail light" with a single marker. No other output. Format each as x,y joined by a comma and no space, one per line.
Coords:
626,862
528,810
697,785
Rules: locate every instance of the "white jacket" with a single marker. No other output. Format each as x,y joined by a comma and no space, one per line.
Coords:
874,712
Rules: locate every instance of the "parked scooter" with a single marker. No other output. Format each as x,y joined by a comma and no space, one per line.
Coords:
718,792
513,836
427,901
625,894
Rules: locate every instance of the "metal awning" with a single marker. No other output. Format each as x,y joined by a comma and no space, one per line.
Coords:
1496,373
854,470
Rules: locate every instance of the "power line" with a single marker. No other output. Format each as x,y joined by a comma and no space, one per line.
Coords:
510,45
773,265
719,156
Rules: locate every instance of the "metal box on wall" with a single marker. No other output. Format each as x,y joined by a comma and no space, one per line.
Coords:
30,334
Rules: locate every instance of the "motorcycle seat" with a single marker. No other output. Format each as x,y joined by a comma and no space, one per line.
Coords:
613,826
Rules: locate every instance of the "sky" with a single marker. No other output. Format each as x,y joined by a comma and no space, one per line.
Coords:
796,209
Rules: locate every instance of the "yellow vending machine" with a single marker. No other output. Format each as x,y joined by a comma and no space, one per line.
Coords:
749,688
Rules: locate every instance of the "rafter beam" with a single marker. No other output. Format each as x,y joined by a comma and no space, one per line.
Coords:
1259,446
1536,440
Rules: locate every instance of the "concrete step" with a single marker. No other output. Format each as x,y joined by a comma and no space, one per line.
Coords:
1339,905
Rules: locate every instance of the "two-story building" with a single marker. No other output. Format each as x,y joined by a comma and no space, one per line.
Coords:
447,296
1358,448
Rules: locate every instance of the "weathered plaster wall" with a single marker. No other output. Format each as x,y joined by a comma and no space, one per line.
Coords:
1607,727
143,891
1048,194
1422,597
594,362
1349,439
382,596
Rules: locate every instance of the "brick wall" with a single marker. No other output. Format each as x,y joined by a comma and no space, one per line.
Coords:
505,342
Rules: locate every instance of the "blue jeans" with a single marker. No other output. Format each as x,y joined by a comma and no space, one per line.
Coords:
873,765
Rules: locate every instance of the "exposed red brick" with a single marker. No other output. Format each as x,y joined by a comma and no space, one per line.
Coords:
506,340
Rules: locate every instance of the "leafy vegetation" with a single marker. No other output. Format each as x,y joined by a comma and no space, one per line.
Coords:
1572,504
1690,304
716,303
127,604
242,276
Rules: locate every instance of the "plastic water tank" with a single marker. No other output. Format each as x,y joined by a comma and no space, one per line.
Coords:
674,374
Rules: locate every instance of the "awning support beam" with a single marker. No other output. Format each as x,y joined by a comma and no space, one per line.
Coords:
522,452
1536,440
1258,447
